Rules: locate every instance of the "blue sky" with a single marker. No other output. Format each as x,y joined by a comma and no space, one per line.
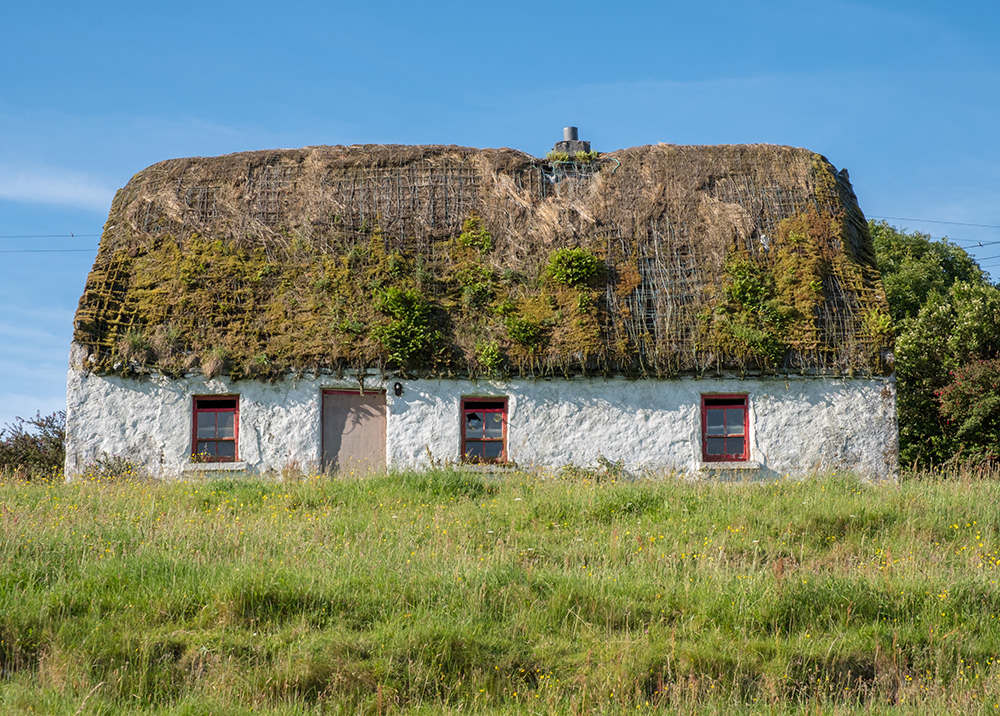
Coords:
903,94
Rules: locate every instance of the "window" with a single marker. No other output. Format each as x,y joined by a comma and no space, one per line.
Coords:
724,428
215,428
484,429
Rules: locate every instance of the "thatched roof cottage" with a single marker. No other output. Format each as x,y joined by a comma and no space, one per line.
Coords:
690,308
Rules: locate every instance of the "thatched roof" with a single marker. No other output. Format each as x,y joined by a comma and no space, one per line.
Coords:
444,260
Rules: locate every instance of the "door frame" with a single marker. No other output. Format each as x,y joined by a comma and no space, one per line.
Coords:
345,391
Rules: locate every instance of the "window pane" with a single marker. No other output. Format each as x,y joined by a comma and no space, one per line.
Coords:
715,446
734,421
473,449
734,446
206,425
226,425
474,424
713,420
493,450
494,425
226,450
206,448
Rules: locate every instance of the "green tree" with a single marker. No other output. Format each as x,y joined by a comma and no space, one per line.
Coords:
970,405
914,267
947,318
949,332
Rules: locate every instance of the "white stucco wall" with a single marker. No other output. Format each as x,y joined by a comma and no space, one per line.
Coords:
797,425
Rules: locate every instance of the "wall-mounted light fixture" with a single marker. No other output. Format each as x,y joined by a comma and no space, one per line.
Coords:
397,389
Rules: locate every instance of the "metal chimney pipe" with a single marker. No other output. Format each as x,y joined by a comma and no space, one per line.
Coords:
569,134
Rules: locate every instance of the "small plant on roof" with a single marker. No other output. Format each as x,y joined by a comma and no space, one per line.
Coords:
213,362
477,295
878,323
524,331
351,326
751,324
134,346
477,285
489,356
409,334
574,267
166,341
475,234
555,156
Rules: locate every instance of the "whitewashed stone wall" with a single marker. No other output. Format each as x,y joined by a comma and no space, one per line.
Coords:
797,425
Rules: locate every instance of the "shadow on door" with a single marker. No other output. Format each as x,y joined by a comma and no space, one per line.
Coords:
353,431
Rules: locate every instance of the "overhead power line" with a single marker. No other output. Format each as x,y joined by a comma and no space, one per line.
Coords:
986,258
972,243
46,251
48,236
936,221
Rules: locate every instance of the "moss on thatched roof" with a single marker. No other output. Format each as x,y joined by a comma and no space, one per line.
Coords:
443,260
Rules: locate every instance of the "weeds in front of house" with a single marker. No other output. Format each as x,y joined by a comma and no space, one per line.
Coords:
457,591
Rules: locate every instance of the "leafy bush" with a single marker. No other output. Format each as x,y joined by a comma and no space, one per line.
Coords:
574,267
946,320
950,332
971,406
34,447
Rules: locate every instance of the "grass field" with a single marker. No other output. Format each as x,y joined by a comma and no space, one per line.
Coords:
452,591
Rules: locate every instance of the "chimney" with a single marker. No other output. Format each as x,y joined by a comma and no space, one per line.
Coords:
571,143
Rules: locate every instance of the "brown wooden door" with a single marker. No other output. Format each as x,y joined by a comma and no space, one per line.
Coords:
353,430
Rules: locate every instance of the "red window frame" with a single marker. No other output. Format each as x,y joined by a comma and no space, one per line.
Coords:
725,401
202,404
484,404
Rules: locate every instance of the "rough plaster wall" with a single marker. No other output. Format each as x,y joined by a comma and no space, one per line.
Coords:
149,420
796,425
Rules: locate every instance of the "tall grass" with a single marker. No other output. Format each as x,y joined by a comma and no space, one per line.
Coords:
448,591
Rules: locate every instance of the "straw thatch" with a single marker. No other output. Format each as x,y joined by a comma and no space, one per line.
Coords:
443,260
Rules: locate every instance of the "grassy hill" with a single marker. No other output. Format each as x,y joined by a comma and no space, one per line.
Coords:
452,591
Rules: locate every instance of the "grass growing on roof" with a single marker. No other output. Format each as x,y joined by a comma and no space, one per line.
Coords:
286,264
449,590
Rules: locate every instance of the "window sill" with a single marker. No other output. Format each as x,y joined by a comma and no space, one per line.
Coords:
237,466
729,466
